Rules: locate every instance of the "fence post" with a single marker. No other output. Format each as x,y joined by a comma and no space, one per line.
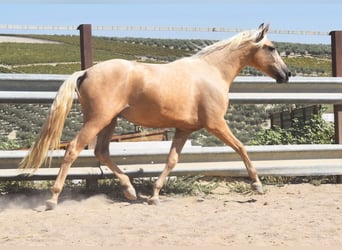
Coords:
336,56
86,48
86,56
87,62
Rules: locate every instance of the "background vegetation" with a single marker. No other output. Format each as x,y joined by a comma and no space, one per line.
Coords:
314,131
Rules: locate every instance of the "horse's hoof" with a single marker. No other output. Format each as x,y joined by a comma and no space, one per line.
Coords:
153,201
257,186
130,194
50,205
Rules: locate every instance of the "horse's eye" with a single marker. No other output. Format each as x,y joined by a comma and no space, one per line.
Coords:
270,48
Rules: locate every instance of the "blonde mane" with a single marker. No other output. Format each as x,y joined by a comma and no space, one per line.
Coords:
232,43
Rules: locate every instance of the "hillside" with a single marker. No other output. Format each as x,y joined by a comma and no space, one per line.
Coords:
21,123
63,57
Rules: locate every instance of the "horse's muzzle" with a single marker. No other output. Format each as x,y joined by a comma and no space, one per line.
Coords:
284,78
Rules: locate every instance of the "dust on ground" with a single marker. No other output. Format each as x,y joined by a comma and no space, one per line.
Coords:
292,215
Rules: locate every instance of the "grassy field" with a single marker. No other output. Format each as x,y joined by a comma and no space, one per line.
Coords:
62,58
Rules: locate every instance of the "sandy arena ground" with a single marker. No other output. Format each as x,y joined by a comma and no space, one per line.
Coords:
293,215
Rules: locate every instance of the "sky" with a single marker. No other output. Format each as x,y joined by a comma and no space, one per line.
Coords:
294,15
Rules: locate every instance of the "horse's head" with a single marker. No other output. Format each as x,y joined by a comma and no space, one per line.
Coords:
266,58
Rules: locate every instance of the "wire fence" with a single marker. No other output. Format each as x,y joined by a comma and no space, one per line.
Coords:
153,28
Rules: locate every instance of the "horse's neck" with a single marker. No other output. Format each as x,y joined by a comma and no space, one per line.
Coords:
229,63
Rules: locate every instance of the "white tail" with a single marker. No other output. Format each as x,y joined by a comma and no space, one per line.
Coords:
49,137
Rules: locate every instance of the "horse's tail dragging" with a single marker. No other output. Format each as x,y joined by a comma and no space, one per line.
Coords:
50,135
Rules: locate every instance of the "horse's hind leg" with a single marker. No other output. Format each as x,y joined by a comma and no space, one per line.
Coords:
86,134
176,148
222,131
102,154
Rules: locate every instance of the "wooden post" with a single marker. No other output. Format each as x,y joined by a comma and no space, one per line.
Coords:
87,62
336,56
86,48
86,57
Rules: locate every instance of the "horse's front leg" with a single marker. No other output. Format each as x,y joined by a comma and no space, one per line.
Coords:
222,131
176,148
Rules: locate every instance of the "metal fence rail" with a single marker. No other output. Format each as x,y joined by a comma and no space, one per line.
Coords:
141,159
37,88
136,161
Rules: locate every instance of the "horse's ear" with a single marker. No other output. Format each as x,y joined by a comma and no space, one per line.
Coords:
261,26
262,32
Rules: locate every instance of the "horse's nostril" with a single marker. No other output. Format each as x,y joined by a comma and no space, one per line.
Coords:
289,74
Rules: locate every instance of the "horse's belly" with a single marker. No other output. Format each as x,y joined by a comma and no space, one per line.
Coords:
154,118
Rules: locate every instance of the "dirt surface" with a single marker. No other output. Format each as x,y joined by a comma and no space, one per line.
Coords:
293,215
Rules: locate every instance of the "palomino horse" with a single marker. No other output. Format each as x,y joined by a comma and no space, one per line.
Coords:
187,94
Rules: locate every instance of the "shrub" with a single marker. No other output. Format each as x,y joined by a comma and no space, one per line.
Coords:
314,131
